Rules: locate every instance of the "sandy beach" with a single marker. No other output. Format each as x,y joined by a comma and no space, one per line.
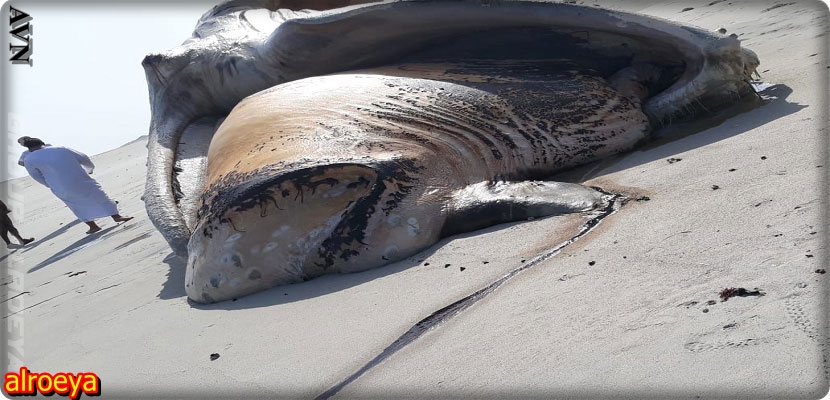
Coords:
630,309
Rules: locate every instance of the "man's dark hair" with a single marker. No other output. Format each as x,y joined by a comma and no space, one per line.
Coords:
32,142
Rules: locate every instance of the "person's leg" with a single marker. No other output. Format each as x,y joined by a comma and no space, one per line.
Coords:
15,233
20,239
93,227
119,218
4,227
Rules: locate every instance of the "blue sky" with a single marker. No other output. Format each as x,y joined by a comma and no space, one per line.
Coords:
86,87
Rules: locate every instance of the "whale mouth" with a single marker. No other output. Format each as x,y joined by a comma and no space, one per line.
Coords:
242,47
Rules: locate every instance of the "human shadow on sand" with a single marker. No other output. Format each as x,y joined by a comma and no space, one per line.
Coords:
59,231
38,241
72,248
666,144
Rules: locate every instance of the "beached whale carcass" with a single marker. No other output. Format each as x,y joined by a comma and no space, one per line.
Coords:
353,136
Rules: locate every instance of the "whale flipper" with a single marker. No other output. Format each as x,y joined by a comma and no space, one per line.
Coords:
486,204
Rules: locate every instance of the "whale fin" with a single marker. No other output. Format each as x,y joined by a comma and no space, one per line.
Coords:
486,204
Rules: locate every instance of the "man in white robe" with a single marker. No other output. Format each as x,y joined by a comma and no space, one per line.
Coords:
66,173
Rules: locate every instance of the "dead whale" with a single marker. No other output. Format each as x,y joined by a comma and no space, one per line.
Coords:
348,138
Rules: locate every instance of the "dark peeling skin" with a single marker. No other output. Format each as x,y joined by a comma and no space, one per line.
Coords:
356,138
239,193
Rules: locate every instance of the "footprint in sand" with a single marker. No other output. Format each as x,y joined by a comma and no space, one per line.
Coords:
795,311
731,335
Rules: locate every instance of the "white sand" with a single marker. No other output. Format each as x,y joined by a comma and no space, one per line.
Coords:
632,324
